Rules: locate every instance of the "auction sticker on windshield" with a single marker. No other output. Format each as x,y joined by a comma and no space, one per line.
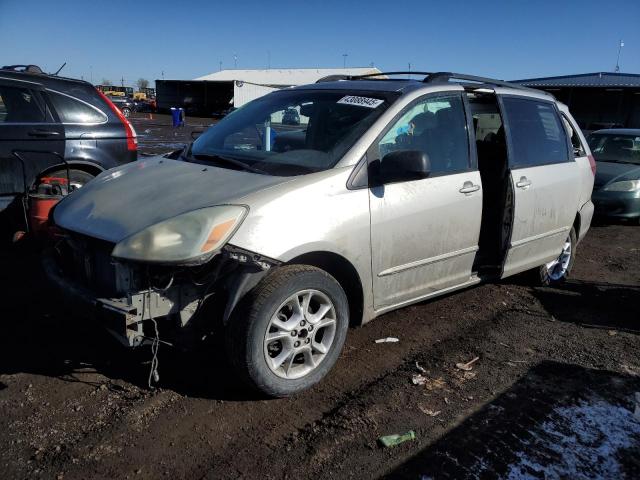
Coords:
361,101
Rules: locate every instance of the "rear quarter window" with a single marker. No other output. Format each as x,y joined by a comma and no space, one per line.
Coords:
536,132
72,110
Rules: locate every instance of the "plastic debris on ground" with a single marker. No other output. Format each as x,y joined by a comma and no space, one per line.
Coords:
428,411
387,340
396,439
418,379
467,366
420,368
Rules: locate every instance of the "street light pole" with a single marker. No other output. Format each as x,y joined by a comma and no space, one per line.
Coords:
618,59
344,60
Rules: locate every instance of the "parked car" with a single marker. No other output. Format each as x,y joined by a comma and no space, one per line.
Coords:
125,104
145,106
396,192
291,117
616,192
49,123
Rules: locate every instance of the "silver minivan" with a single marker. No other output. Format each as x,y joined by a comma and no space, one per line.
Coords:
277,237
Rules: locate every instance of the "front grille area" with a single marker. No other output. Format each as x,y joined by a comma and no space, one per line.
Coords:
88,261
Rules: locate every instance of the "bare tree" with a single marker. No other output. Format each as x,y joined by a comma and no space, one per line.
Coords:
106,82
142,83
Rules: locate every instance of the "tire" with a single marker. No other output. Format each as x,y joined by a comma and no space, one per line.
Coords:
126,111
77,178
268,309
557,271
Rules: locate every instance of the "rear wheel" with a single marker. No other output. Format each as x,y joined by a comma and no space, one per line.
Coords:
126,111
558,270
289,330
76,179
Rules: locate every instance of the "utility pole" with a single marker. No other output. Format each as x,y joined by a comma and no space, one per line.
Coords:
162,74
409,75
618,59
344,60
235,61
220,66
122,81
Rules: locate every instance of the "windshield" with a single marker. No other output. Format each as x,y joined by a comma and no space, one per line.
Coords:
615,148
292,132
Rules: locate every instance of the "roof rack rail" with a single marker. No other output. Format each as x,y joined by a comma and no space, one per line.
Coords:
433,77
446,76
333,78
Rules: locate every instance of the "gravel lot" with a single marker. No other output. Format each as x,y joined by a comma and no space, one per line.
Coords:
552,394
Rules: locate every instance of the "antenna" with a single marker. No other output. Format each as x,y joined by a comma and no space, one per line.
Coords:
618,59
66,63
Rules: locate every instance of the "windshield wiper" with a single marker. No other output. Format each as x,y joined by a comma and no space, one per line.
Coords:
230,161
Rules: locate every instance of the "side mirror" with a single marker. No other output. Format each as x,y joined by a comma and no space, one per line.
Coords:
404,166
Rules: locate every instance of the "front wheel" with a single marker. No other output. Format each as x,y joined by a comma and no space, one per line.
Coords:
288,331
557,271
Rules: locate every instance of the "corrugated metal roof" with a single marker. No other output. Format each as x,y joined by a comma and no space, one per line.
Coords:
598,79
284,77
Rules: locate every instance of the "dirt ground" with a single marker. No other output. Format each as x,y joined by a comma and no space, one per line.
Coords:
551,396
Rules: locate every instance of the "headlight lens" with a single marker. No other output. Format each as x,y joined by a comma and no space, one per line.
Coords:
624,186
184,238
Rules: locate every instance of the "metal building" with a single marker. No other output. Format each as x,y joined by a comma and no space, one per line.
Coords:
596,100
217,92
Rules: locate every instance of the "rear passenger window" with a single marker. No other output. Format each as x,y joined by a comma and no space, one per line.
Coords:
20,105
537,136
436,126
71,110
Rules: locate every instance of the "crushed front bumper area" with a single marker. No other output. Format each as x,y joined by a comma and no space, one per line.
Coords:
128,317
134,301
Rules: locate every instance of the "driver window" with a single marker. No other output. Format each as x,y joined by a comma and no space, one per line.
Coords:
436,126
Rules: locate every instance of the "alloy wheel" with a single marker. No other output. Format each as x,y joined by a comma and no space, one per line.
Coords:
300,334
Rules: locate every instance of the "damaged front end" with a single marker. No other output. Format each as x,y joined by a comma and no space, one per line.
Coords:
136,300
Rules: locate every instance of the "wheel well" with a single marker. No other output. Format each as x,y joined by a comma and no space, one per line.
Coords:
89,168
345,273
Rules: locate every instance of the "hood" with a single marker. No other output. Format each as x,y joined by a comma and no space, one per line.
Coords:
609,172
125,200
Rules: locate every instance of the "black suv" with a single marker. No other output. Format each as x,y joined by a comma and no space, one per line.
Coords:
125,104
50,126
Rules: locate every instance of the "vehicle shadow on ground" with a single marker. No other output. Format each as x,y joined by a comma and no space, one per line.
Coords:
558,421
593,304
41,335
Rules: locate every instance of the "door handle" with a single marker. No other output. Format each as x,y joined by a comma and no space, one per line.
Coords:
468,188
524,182
42,133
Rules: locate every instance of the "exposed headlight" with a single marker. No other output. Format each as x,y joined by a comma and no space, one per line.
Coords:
624,186
185,238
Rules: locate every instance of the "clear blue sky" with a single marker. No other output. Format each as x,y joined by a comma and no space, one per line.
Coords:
136,38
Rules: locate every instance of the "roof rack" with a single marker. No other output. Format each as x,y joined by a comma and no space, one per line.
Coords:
446,76
433,77
334,78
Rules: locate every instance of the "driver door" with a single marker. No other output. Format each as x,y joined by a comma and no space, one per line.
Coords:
424,233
